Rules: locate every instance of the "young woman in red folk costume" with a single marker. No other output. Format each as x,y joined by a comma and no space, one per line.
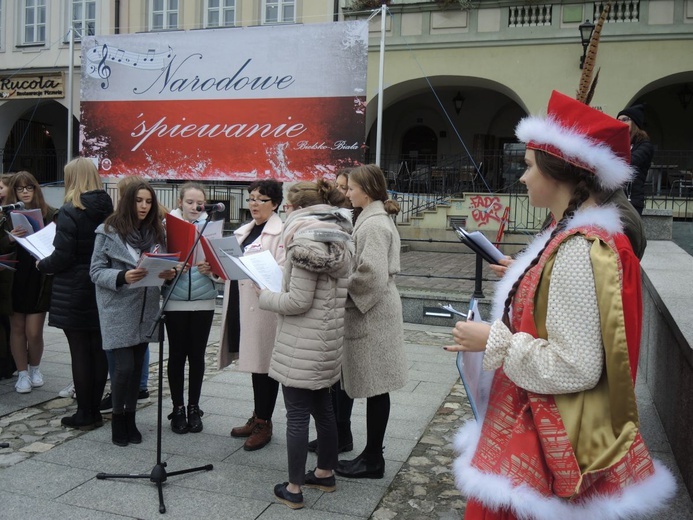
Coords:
560,438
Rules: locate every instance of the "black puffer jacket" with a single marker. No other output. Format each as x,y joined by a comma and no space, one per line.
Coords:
641,154
73,305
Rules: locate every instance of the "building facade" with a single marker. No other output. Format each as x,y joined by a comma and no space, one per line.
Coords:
457,76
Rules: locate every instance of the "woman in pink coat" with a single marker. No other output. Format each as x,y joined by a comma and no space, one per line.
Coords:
258,327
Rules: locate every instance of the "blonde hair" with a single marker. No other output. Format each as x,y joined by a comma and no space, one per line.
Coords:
191,185
306,194
81,176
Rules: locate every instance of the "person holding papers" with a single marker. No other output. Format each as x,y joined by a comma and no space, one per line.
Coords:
31,289
564,344
374,362
307,353
189,315
127,314
258,326
73,303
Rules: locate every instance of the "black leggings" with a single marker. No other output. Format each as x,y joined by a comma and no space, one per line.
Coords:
188,332
265,390
89,367
127,370
377,415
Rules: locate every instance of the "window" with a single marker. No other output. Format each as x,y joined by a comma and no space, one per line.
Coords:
83,17
220,13
34,21
279,11
163,14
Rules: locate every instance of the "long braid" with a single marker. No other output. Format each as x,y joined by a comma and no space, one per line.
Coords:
580,194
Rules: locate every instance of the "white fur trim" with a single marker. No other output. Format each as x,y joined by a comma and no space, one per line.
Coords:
606,217
611,170
496,491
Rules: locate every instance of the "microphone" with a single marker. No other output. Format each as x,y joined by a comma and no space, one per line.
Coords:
10,207
209,208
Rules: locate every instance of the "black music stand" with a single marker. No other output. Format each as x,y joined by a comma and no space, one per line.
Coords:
158,475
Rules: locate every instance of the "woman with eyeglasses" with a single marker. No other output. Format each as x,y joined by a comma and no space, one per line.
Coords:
31,290
257,327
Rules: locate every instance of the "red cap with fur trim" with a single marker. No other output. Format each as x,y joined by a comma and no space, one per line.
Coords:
583,136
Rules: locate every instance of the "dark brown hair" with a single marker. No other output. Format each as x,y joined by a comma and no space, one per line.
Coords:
305,194
584,184
269,188
24,178
124,220
371,180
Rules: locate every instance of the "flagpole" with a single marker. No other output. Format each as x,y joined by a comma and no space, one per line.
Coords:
70,77
379,131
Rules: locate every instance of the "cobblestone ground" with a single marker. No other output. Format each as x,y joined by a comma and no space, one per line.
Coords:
424,488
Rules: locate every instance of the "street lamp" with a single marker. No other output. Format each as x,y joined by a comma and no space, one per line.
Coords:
586,30
457,102
685,96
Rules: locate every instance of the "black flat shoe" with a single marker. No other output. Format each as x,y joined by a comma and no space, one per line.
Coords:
326,484
365,465
84,421
179,423
292,500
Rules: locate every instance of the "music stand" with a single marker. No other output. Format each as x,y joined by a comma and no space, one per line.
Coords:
158,475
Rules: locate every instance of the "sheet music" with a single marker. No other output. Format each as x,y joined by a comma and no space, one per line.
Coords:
154,265
262,268
490,252
476,381
30,220
40,244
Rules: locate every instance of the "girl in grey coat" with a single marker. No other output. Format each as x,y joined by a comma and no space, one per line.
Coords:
126,315
374,363
307,353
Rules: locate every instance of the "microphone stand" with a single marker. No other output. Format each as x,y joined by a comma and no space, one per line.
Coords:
158,475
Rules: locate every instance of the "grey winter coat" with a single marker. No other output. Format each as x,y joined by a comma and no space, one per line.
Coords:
310,328
126,315
373,361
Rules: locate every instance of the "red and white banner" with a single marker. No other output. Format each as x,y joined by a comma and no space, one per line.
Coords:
282,102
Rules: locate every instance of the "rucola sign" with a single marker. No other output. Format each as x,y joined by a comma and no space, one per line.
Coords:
32,86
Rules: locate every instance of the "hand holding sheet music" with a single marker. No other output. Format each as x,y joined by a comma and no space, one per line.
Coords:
154,264
39,244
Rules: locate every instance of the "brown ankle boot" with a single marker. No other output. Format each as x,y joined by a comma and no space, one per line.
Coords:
246,429
262,434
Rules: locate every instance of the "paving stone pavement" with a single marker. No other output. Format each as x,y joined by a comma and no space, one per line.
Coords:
422,488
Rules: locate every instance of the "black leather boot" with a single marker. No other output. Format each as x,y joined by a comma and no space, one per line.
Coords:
119,429
195,418
366,465
134,435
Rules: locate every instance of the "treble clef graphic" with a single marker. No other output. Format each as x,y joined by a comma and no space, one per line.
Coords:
104,70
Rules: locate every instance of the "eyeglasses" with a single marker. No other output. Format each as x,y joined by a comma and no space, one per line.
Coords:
20,189
257,201
287,207
624,119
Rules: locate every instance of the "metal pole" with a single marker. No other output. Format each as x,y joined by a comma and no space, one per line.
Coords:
478,292
379,131
70,76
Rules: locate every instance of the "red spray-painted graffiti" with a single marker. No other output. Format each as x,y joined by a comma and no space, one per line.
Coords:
484,209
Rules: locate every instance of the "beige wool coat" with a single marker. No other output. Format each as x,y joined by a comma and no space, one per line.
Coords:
310,326
373,360
257,326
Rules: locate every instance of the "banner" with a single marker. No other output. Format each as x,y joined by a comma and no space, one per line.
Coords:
282,102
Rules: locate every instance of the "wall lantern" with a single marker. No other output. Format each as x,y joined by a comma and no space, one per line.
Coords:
457,102
685,96
586,30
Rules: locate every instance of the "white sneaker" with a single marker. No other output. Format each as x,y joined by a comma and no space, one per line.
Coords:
68,391
23,384
36,376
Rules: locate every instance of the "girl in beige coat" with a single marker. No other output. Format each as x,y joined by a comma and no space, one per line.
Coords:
307,353
257,327
374,363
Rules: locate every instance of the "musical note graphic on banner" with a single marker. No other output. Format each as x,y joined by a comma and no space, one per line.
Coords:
100,59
